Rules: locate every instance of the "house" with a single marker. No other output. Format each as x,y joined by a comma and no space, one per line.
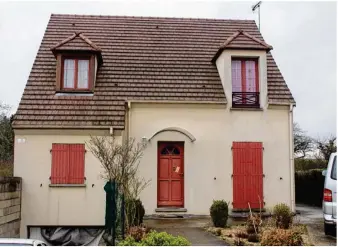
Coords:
205,95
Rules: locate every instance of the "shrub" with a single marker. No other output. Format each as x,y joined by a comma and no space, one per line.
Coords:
281,237
135,212
129,241
164,239
253,222
241,234
154,238
282,215
137,232
309,164
219,213
254,238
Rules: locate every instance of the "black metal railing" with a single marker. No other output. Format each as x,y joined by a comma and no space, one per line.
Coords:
245,99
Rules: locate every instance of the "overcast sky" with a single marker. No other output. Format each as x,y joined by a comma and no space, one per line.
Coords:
303,35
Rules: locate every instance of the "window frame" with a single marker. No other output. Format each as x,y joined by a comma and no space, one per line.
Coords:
244,95
334,167
76,71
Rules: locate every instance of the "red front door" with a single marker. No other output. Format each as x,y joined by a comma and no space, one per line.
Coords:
170,190
247,175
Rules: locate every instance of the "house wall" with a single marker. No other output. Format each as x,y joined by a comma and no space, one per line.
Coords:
208,160
43,205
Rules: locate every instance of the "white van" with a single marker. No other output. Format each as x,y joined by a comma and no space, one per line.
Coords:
330,196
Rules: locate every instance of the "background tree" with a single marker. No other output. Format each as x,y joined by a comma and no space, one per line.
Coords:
303,144
326,146
6,141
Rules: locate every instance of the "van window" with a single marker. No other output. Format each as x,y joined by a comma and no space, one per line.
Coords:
334,169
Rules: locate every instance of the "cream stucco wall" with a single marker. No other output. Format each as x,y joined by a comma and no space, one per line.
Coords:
223,64
43,205
208,160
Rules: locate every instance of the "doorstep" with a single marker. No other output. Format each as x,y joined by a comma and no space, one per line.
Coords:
244,214
170,210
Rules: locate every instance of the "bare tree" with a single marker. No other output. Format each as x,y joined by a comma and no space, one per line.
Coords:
326,146
120,162
303,144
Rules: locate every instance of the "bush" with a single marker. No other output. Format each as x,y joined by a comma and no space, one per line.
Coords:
309,187
253,222
219,213
137,232
254,238
282,215
156,239
309,164
281,237
241,234
135,212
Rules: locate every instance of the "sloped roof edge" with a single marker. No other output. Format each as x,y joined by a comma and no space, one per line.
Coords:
73,36
234,36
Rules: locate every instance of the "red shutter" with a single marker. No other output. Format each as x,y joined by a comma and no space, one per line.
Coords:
247,174
60,162
68,163
76,163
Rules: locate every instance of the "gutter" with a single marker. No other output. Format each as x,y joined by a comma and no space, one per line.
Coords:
292,173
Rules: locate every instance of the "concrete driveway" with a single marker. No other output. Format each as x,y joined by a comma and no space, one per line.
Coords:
190,228
313,218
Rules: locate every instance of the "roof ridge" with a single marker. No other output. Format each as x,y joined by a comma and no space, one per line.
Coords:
153,17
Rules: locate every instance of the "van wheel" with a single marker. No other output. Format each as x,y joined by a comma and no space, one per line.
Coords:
328,229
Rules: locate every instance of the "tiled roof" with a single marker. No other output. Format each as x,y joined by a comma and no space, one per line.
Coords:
242,40
144,58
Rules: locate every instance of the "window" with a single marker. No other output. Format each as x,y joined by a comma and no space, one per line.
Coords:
334,169
75,73
68,162
245,83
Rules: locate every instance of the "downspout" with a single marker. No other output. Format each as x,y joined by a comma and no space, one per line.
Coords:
292,173
129,117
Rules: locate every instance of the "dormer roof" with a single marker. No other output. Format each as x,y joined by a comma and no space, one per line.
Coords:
76,42
242,40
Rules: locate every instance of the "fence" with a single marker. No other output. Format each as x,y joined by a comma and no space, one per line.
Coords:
115,212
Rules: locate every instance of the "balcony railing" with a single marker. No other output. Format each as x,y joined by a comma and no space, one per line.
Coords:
245,99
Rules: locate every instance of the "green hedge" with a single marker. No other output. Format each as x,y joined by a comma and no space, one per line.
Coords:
309,187
308,164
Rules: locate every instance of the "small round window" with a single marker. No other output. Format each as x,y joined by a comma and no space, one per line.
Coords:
170,150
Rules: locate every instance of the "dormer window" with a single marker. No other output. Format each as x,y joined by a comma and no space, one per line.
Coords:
77,62
245,83
76,73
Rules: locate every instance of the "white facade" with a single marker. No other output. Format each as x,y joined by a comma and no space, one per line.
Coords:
207,130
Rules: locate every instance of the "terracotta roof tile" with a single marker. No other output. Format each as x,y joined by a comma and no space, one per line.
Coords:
143,59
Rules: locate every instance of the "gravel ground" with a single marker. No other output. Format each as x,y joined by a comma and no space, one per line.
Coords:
313,218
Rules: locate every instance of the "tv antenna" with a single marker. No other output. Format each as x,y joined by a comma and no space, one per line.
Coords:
258,6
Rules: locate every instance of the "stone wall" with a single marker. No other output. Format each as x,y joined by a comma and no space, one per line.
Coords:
10,207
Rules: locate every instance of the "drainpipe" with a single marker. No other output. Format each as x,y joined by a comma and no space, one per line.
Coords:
292,173
129,117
